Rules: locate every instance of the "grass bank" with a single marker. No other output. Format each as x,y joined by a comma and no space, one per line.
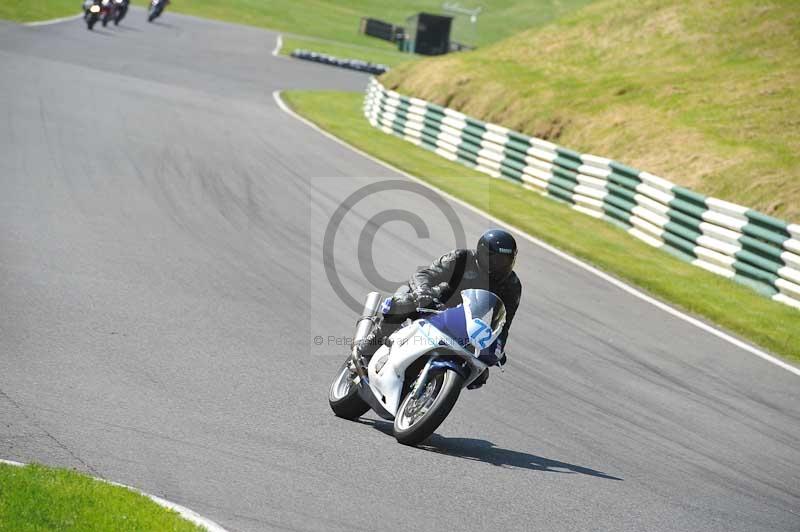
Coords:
771,325
35,498
705,93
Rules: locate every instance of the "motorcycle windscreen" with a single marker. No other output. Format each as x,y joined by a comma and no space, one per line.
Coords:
452,323
484,316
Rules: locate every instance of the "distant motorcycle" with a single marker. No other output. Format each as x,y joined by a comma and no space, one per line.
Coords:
92,12
120,10
156,8
107,10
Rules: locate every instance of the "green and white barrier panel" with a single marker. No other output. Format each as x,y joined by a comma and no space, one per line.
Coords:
727,239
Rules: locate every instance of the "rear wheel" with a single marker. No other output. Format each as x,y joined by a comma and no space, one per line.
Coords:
343,395
418,418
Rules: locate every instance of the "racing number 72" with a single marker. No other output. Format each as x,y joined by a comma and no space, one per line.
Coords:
482,334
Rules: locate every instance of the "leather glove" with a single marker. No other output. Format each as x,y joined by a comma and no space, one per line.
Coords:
424,299
401,307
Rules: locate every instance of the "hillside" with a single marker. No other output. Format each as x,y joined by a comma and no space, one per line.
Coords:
703,92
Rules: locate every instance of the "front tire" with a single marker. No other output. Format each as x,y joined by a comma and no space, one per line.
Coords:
417,419
343,395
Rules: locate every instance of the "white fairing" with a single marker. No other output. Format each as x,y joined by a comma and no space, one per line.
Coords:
408,344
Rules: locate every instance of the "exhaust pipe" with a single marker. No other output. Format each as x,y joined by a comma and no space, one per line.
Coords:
364,326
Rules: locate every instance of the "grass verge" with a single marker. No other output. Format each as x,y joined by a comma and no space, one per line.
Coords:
34,498
27,11
774,326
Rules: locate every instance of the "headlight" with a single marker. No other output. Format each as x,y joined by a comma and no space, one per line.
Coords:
94,9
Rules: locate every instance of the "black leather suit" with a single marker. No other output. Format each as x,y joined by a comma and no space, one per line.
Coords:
438,280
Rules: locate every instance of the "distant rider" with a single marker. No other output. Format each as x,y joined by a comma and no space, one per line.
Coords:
490,266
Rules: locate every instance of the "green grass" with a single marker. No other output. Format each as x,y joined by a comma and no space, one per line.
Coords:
383,56
339,20
705,93
771,325
331,26
37,498
28,11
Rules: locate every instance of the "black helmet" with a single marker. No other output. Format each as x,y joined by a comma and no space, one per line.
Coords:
496,251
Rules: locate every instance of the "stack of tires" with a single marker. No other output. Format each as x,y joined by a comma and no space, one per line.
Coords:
352,64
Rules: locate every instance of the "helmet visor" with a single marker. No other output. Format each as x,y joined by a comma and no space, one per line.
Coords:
501,264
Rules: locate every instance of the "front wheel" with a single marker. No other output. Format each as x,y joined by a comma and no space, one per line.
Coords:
343,395
418,418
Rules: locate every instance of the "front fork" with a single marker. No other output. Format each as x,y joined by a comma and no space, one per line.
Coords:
435,364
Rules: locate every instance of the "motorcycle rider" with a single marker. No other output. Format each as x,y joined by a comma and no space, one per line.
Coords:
164,4
86,5
490,266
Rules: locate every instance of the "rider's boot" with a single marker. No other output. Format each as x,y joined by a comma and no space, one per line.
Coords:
480,381
378,337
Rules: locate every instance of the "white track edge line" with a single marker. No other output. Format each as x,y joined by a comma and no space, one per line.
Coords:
52,21
613,280
278,45
186,513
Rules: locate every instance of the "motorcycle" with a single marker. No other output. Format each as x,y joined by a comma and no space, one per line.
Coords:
155,10
120,10
106,8
92,13
416,377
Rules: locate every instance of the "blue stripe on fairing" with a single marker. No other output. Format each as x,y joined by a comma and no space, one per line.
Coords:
453,323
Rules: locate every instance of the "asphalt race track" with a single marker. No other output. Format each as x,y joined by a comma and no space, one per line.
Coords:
161,286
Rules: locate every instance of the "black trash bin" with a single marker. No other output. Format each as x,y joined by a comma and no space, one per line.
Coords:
429,34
